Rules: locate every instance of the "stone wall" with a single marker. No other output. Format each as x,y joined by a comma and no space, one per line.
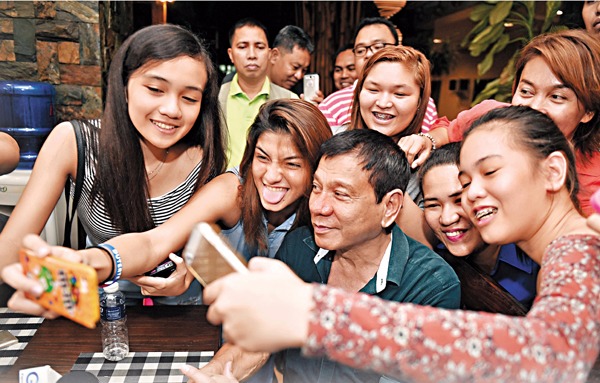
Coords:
57,42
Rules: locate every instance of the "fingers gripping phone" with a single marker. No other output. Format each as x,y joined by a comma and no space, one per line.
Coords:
311,85
208,256
70,288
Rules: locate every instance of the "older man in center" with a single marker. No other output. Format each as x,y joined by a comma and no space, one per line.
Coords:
354,243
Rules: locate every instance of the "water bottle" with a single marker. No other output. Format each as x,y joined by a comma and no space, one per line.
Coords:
115,338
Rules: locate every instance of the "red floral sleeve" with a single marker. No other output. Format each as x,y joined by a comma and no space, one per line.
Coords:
558,341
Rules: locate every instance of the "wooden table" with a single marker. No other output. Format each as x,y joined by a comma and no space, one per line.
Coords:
152,328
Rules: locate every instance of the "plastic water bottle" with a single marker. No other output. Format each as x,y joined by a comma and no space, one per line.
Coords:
115,338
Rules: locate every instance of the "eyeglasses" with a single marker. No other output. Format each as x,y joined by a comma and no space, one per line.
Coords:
361,50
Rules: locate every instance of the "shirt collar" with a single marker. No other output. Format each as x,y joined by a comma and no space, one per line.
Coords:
235,89
510,254
285,225
382,275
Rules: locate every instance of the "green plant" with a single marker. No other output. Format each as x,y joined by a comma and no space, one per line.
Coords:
492,36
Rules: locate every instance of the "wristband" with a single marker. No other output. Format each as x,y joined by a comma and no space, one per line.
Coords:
112,263
116,258
430,137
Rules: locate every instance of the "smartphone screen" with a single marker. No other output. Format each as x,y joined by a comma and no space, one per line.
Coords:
208,256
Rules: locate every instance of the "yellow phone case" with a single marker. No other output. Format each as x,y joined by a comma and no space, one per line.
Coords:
70,289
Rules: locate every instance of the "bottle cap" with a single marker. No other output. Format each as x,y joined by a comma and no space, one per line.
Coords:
112,288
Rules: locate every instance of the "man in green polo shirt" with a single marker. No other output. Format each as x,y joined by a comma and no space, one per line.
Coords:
241,98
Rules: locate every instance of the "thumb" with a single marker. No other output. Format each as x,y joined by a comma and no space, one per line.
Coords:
175,258
265,264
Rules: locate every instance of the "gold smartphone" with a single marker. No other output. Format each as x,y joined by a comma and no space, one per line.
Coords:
208,256
7,339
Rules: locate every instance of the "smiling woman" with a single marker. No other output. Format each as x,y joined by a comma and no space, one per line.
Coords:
392,96
160,141
256,207
559,75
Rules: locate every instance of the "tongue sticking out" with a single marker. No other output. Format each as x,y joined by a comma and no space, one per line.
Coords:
273,196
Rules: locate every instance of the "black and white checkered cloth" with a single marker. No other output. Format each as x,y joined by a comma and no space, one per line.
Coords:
23,327
156,367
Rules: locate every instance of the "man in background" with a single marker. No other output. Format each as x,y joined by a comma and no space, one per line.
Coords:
591,17
241,98
344,70
290,59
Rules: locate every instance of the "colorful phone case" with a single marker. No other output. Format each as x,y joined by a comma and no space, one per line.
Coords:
70,289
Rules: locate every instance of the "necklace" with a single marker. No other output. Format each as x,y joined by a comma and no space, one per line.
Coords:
156,170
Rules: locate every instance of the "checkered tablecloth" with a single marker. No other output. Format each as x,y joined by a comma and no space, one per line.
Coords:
157,367
23,327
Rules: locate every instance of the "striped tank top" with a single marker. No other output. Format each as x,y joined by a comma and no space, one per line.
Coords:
94,218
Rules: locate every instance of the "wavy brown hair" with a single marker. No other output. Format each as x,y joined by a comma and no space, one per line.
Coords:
121,180
574,58
417,63
308,129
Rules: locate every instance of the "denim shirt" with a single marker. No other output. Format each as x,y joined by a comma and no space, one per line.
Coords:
235,236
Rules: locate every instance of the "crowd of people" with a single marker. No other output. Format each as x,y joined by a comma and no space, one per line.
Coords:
364,215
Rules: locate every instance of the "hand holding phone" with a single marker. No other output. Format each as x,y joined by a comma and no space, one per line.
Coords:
70,288
209,257
163,270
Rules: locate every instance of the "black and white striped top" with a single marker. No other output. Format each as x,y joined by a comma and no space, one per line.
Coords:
95,219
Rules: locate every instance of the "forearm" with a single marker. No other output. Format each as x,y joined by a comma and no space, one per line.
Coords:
9,154
553,342
10,249
141,252
137,251
244,363
440,135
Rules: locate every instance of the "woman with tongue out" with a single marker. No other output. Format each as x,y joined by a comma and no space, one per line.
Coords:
276,175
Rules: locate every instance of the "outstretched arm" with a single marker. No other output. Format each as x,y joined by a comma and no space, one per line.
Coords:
55,162
217,201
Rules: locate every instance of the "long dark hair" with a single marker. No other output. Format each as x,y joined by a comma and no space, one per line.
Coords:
308,129
121,179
